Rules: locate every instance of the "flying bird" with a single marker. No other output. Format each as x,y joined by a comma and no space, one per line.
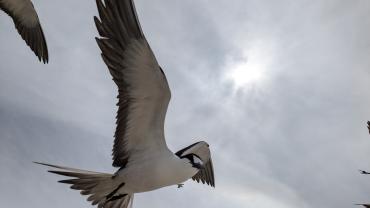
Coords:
364,172
140,151
28,25
365,205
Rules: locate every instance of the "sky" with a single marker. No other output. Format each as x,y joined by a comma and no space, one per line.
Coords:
279,89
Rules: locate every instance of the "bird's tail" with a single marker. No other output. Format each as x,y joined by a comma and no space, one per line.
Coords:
100,187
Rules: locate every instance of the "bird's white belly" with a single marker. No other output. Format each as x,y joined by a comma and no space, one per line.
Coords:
155,174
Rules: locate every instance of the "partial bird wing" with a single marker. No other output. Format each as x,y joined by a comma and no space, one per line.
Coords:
142,86
365,205
206,174
364,172
368,126
28,25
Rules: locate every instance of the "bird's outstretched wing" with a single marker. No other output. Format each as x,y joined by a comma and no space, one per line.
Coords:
28,25
206,174
143,90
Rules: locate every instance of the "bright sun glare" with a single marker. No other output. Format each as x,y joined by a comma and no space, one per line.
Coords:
245,72
252,68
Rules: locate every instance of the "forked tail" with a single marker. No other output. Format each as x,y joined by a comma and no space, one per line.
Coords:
99,186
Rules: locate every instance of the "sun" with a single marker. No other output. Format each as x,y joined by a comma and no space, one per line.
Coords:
252,68
245,72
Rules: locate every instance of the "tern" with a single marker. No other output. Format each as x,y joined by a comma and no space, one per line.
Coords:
28,25
140,152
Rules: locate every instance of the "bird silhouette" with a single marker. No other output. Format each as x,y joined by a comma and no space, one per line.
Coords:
364,172
365,205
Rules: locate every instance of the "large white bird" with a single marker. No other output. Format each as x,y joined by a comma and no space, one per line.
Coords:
140,152
28,25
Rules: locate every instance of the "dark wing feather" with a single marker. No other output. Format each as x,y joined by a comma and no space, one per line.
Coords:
33,35
35,39
365,205
143,90
206,175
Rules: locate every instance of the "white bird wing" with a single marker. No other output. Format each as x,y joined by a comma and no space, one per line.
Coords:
206,174
28,25
143,90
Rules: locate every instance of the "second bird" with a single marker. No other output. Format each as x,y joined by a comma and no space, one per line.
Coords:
28,25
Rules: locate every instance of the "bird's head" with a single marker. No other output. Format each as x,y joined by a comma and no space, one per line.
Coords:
198,154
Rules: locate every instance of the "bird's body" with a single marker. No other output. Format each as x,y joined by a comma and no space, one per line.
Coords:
140,151
28,25
164,170
150,173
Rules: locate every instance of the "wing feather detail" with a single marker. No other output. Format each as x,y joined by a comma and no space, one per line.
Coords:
143,92
206,175
28,26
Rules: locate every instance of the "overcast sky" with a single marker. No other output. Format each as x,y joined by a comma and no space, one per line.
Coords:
279,89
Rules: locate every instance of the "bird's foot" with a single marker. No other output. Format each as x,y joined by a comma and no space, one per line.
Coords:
180,185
